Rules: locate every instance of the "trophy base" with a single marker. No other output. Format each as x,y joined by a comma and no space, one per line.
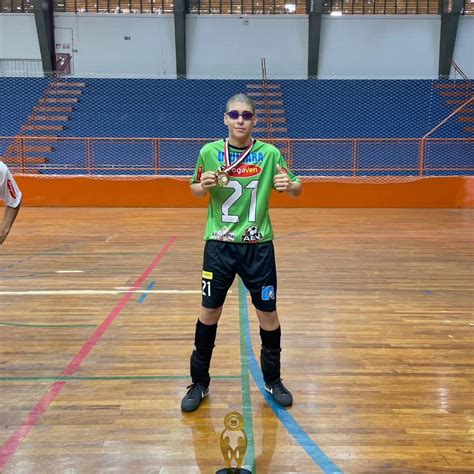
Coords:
233,470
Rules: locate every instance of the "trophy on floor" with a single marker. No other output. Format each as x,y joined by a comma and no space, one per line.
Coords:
233,443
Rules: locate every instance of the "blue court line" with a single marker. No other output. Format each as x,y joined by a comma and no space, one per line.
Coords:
144,295
300,435
250,458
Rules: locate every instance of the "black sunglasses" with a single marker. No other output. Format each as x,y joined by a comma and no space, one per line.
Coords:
234,115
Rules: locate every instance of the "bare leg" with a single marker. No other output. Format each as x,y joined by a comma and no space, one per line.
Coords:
210,316
268,320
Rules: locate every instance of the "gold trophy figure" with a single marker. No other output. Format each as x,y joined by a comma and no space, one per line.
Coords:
233,441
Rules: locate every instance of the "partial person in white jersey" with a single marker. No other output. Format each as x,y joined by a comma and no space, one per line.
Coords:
9,193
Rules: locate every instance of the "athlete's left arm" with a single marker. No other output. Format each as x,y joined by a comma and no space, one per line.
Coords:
285,180
282,182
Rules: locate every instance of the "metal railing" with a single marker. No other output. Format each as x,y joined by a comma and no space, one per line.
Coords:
115,7
21,67
381,7
175,157
240,7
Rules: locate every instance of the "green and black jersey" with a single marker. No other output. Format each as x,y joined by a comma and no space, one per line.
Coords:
239,211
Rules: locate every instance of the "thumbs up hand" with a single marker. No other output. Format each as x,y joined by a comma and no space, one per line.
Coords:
281,181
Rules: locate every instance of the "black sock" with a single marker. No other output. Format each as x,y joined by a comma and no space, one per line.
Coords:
271,339
205,335
200,362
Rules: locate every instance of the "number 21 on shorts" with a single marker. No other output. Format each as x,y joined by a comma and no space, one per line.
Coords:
206,288
206,283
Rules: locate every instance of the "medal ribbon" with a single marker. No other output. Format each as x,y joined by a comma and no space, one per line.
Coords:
227,166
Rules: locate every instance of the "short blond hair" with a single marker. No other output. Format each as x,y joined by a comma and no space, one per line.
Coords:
241,97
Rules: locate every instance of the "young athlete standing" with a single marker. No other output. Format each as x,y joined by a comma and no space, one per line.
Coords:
239,173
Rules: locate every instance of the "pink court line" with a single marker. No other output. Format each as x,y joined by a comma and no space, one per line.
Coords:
11,445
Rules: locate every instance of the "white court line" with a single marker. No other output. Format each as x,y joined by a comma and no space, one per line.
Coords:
93,292
127,288
69,271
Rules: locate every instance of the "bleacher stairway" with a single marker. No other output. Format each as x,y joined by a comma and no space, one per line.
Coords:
456,94
271,113
47,120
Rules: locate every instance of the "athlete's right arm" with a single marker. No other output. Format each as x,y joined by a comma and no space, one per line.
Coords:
208,181
9,217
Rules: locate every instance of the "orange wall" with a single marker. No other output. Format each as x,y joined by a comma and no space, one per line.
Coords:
455,192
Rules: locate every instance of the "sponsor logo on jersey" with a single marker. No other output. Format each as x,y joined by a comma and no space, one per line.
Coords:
207,275
252,234
224,234
253,157
11,189
268,293
245,171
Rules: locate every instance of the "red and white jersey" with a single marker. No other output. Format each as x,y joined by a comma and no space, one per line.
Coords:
9,191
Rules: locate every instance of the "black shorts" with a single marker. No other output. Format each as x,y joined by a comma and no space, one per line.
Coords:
254,263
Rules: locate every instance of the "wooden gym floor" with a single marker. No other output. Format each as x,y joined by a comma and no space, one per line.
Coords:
97,316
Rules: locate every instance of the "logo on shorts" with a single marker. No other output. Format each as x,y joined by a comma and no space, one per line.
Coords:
11,189
268,293
207,275
252,234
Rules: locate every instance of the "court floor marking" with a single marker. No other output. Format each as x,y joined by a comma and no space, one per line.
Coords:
84,292
95,292
69,271
46,326
147,292
283,414
250,456
13,442
106,378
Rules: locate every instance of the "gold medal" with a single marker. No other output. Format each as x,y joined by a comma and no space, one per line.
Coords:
222,178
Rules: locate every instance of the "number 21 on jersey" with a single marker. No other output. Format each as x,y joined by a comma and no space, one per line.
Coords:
235,196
